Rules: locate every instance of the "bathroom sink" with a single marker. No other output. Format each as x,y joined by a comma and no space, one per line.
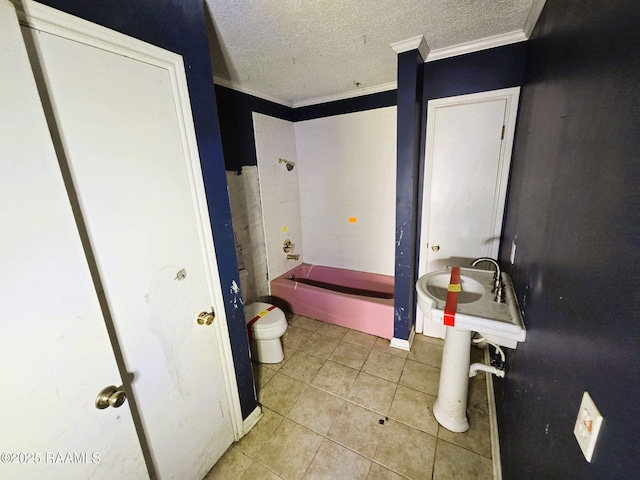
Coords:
477,311
471,290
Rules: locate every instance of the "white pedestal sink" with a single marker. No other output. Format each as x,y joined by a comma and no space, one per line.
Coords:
476,311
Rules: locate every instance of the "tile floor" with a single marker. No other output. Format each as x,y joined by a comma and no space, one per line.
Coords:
345,405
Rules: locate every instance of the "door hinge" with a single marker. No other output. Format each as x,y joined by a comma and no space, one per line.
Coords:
502,134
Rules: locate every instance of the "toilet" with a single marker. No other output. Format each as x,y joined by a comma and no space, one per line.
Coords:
266,324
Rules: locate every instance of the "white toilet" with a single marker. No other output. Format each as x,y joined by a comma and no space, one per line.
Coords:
266,324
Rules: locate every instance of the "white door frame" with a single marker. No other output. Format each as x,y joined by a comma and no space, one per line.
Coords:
511,96
49,20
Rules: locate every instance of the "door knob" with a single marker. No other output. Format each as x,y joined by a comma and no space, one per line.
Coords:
435,247
206,318
110,396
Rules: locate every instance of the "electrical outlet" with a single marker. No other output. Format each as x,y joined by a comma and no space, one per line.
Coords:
587,426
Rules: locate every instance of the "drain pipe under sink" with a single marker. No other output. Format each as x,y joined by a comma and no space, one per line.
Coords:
473,370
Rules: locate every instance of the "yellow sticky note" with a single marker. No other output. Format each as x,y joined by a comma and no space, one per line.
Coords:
353,219
284,229
454,287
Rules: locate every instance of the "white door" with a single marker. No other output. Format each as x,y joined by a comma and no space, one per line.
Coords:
55,354
467,160
128,138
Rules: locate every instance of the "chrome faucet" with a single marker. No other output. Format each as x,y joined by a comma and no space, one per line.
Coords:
497,278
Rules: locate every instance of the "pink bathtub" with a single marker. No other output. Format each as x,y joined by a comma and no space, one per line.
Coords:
357,300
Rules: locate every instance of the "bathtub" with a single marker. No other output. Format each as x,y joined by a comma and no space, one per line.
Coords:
357,300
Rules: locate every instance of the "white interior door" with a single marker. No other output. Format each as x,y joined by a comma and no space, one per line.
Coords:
55,353
131,152
467,160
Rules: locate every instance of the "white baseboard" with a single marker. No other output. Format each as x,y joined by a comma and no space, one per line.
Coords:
493,423
403,344
251,420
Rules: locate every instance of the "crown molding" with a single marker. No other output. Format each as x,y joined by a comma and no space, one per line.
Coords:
477,45
414,43
241,88
384,87
532,18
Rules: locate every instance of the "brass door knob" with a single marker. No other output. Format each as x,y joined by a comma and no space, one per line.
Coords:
110,396
435,247
206,318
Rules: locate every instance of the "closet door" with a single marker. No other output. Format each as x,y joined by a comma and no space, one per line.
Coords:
123,120
55,353
467,159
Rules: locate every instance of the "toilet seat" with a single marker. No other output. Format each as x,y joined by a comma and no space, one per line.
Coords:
264,321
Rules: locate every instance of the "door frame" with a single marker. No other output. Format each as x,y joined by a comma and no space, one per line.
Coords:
511,96
47,19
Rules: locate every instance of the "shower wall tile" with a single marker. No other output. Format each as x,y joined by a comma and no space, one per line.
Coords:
347,172
280,195
246,214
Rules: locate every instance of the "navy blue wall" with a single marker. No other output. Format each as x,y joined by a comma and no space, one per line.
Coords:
410,123
236,125
179,26
574,204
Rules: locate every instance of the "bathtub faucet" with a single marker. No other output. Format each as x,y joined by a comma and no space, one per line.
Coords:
293,256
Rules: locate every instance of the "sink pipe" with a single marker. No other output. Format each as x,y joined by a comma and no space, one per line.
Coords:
473,370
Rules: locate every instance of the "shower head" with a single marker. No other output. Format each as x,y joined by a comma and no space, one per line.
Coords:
287,164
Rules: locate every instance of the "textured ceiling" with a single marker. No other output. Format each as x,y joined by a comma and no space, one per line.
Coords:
297,52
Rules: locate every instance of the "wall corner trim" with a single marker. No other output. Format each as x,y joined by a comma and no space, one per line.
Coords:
414,43
251,421
403,344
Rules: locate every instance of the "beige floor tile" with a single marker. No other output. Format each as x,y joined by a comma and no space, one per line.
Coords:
357,428
373,393
252,443
332,330
344,405
420,377
259,472
290,450
280,393
427,353
477,355
335,378
456,463
307,323
261,374
334,461
302,366
477,438
295,336
478,399
406,450
378,472
231,466
415,409
383,365
382,345
320,345
350,354
316,409
427,339
361,338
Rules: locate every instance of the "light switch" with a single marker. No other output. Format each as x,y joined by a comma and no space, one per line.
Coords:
587,426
